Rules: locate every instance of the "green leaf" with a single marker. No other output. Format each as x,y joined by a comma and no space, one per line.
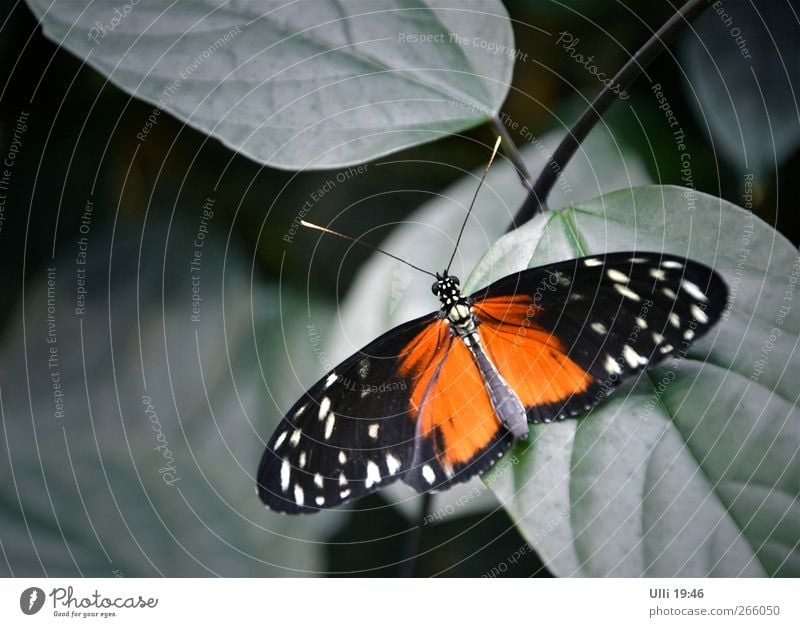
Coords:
693,469
296,88
742,82
88,494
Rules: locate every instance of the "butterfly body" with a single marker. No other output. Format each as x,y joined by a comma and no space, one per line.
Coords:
439,399
457,309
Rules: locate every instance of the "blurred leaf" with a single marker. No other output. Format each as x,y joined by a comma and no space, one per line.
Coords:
692,470
392,293
743,65
90,492
293,88
474,545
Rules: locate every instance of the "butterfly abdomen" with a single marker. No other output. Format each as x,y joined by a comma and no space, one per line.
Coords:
505,403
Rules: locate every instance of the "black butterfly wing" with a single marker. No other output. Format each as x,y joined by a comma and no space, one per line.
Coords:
350,434
566,334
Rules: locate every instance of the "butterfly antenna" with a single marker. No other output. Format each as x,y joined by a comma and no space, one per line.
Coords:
472,204
363,243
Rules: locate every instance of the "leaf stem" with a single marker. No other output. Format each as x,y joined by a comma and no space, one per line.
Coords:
537,198
413,544
512,152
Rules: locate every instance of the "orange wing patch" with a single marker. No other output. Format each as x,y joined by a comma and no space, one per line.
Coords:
532,360
448,398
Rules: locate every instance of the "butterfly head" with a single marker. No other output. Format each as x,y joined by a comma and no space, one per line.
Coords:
454,305
446,287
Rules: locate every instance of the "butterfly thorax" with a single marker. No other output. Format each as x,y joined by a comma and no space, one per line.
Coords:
455,306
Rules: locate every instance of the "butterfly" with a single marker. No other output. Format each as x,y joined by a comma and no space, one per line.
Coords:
441,398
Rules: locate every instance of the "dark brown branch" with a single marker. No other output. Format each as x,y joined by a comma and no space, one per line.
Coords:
537,198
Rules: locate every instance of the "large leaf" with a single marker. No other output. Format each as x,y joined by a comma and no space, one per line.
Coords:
392,293
742,66
87,490
693,469
296,84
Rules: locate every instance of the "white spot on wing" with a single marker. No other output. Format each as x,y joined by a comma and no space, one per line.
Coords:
688,335
344,494
611,365
329,423
633,358
300,410
373,474
330,380
318,480
280,440
626,292
671,264
674,320
658,338
666,348
668,293
299,497
320,500
641,323
699,314
616,275
599,327
342,457
302,461
295,437
342,479
373,431
591,262
286,471
392,463
658,273
324,406
428,473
